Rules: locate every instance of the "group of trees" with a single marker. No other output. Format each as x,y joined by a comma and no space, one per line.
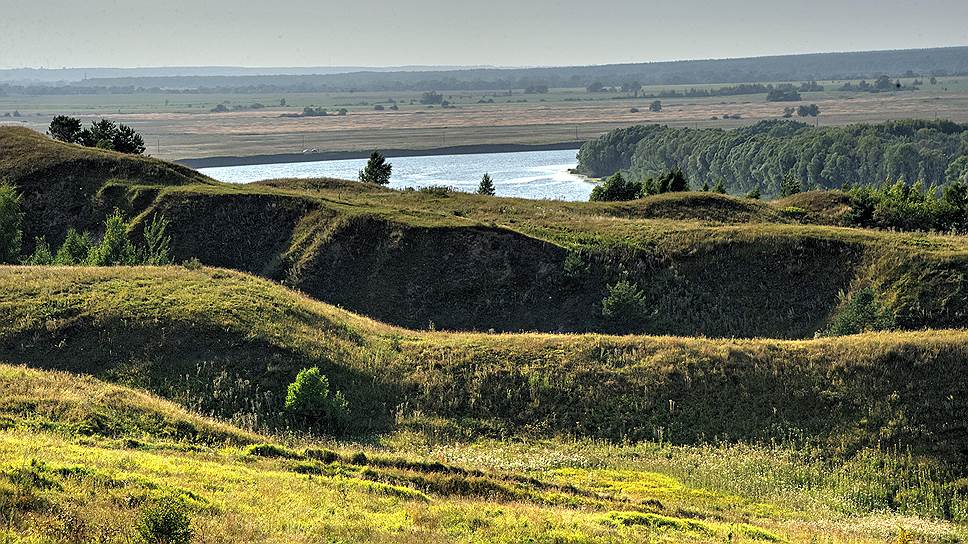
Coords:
113,248
102,134
911,207
761,156
618,187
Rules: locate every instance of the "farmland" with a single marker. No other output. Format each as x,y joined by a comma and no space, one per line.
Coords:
180,126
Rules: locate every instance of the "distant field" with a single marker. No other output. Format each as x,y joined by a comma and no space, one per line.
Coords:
182,126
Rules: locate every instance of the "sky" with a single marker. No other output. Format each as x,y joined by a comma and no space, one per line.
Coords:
135,33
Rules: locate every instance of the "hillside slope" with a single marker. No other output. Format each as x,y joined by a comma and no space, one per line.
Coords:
66,185
228,344
707,264
94,461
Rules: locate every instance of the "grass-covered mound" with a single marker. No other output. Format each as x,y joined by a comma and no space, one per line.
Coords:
702,264
64,482
229,344
65,185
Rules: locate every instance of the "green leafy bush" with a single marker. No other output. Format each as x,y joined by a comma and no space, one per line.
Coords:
11,223
625,306
310,397
157,250
616,188
165,521
42,255
859,313
75,248
115,248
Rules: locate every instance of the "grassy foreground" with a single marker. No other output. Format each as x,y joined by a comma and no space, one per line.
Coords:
65,480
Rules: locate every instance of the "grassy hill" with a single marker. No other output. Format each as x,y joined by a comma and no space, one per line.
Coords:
228,344
708,264
64,482
481,437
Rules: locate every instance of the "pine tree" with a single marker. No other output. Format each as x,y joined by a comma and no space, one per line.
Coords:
377,170
486,187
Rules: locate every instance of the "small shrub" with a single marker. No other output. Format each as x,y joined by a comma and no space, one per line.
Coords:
625,306
192,264
325,456
42,255
435,190
754,194
165,521
310,397
487,186
862,312
794,212
157,250
270,450
115,248
359,458
75,248
11,222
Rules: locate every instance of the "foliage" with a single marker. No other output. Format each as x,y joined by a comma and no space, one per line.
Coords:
765,154
625,306
75,249
165,521
115,248
861,312
65,128
42,255
754,194
157,250
783,94
655,106
487,186
790,186
906,207
102,134
616,188
310,397
377,170
808,111
11,224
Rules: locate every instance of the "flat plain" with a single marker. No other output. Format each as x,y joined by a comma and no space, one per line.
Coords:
178,126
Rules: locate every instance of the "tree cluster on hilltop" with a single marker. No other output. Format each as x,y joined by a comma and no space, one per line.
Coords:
102,134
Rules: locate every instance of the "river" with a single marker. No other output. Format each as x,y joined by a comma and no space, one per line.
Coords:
525,174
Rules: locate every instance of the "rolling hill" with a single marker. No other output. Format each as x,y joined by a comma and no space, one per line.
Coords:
708,264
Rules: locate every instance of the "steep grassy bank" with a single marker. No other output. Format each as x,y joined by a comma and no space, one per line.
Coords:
228,344
64,482
706,264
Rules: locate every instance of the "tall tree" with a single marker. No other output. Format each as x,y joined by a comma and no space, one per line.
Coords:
486,187
377,170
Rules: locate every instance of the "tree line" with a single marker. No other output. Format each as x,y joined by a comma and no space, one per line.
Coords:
763,155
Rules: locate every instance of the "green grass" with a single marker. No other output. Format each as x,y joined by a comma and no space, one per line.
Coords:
61,484
709,264
228,344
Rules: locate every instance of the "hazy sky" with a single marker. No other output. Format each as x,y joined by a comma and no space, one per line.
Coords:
85,33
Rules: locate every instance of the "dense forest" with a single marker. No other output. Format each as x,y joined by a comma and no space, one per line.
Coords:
763,155
819,66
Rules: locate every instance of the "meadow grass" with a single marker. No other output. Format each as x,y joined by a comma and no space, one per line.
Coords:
65,486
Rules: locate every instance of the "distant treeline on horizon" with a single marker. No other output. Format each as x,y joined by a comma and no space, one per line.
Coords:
804,67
